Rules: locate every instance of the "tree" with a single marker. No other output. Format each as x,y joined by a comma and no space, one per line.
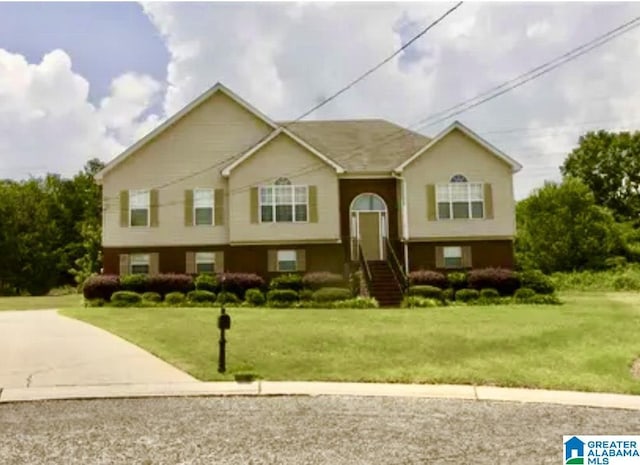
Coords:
609,163
560,228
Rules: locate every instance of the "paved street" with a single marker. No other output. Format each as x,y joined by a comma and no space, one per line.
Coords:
42,348
295,430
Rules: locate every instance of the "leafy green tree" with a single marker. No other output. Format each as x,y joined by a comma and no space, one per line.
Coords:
609,163
560,228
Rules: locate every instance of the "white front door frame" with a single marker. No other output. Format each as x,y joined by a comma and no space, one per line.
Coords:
354,219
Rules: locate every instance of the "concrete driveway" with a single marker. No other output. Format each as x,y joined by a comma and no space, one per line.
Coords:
42,348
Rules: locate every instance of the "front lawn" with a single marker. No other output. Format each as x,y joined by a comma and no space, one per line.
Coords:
587,344
40,302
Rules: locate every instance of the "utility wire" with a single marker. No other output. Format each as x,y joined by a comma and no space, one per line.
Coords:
534,73
323,103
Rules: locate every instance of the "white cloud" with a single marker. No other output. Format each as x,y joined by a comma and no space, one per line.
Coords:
285,58
47,123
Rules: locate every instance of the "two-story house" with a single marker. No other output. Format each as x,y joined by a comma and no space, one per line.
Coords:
221,186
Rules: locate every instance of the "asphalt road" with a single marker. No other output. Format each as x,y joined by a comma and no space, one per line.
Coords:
296,430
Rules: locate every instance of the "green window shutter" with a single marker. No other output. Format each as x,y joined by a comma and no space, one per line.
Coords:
124,264
190,264
153,205
272,259
218,205
466,256
154,263
431,202
439,257
301,260
188,207
254,205
313,204
124,209
488,201
219,258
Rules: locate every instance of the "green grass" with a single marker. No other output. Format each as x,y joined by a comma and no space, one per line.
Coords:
587,344
35,303
625,278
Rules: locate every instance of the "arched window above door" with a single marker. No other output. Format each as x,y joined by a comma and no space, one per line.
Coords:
368,202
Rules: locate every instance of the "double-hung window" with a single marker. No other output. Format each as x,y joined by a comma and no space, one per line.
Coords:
460,199
452,257
284,203
203,207
139,208
139,263
205,262
287,260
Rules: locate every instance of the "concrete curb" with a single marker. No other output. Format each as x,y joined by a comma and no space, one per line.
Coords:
293,388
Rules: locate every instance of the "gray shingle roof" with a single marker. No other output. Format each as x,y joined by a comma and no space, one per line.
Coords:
368,145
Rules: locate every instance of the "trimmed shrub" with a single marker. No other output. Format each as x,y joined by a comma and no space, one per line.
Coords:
174,298
305,295
206,282
536,280
448,294
355,282
467,295
125,299
239,283
320,279
546,299
501,279
151,297
457,280
100,287
165,283
489,293
227,298
134,283
428,278
201,296
287,281
419,302
357,302
331,294
282,295
255,297
428,292
524,293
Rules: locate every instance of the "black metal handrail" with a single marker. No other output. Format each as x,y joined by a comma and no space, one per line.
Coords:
396,267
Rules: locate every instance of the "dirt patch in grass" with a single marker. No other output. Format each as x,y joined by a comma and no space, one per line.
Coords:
635,369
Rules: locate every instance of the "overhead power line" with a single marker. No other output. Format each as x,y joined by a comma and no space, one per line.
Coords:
325,101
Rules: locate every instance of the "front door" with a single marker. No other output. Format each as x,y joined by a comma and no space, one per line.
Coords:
369,228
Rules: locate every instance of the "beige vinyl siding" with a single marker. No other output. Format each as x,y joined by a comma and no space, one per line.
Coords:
283,157
458,154
212,132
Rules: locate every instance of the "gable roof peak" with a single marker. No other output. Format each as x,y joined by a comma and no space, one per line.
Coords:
217,87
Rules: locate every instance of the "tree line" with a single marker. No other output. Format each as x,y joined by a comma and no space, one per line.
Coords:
50,227
50,230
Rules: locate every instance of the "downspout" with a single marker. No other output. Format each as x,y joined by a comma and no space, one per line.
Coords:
405,219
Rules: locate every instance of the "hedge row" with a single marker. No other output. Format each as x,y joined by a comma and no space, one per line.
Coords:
431,296
280,298
506,282
103,286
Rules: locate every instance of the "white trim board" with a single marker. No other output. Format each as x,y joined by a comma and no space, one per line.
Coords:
515,166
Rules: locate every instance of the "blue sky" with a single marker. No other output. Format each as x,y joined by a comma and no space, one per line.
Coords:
79,80
104,39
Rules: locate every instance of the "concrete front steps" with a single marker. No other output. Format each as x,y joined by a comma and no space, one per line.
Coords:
384,285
